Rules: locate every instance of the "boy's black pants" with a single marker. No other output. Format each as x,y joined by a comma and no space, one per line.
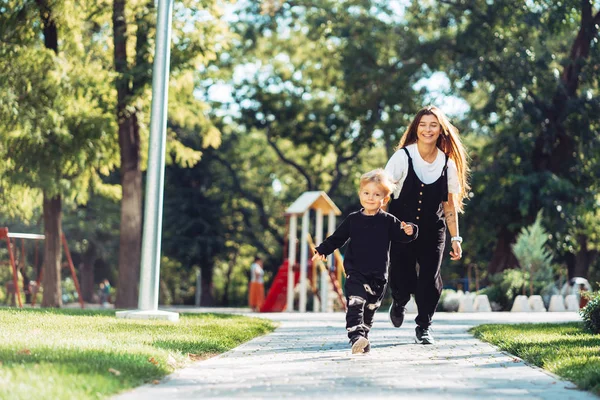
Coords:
363,297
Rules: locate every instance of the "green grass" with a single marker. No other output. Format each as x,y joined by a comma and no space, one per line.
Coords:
563,349
78,354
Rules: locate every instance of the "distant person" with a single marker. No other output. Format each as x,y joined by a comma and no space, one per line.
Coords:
430,171
256,291
105,293
369,233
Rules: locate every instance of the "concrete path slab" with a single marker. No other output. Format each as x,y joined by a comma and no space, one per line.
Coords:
308,357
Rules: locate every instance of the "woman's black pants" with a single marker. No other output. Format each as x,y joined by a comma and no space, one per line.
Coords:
424,281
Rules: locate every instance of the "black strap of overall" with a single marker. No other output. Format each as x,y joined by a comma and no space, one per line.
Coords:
419,202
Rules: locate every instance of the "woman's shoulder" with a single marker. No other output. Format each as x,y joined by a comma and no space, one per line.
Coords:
400,153
451,164
397,162
411,148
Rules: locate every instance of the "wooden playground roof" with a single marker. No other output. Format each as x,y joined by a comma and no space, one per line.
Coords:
317,200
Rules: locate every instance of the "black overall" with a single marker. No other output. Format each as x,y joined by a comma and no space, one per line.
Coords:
421,204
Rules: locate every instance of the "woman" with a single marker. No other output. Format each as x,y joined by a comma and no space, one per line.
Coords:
430,170
256,291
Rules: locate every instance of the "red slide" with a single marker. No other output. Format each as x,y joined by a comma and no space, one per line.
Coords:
277,297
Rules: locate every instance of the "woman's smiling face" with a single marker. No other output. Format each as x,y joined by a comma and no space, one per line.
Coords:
429,129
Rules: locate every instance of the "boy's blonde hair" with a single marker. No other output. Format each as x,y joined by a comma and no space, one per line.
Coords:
381,178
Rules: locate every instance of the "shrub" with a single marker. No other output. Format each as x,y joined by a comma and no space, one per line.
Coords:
534,257
452,300
591,313
496,296
445,292
509,283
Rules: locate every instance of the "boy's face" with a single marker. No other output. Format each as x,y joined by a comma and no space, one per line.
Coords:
372,197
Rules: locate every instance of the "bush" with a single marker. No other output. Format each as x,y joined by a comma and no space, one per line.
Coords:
505,286
496,296
445,292
591,313
533,255
451,299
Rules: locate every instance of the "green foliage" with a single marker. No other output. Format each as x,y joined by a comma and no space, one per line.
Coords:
92,231
58,121
505,286
591,313
531,252
178,283
538,146
69,291
326,94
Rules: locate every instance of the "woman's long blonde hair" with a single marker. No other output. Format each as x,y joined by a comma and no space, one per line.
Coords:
449,142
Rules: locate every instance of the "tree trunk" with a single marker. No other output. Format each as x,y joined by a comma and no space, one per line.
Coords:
583,259
230,267
52,208
207,298
48,25
131,176
503,257
86,271
52,252
531,281
131,217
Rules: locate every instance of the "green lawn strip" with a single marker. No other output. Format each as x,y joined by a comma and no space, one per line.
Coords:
563,349
51,354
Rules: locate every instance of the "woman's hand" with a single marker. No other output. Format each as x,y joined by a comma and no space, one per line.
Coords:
456,253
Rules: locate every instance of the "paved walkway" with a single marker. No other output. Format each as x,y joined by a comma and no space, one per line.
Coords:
308,357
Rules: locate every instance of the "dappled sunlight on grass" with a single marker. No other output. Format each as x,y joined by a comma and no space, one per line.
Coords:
92,354
564,349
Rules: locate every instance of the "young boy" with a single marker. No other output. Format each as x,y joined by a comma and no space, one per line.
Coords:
369,232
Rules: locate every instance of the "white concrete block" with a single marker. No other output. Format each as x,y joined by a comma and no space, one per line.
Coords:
557,303
571,302
521,304
482,303
466,304
536,303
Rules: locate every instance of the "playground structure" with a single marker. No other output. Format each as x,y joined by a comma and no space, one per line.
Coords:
7,236
323,279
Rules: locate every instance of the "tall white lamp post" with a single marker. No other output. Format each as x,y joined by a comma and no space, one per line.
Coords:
151,239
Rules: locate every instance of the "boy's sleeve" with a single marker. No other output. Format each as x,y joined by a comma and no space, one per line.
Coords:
336,240
398,235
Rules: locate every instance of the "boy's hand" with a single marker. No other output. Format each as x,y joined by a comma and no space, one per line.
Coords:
318,256
408,229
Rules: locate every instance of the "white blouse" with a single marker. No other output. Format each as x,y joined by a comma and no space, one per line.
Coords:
256,269
428,173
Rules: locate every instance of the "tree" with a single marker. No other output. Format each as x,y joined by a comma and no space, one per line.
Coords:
128,82
534,258
56,126
529,71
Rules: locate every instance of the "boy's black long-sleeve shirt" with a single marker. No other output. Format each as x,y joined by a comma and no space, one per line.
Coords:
369,238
